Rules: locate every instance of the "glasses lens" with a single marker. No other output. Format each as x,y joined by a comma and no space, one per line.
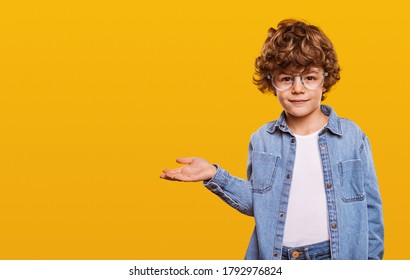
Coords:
282,81
312,80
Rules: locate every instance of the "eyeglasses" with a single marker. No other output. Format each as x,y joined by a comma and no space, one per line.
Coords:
312,80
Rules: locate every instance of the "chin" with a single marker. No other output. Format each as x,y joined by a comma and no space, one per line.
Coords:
299,112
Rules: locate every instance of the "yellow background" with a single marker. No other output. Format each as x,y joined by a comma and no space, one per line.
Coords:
97,97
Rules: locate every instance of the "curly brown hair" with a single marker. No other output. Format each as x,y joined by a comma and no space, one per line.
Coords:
299,45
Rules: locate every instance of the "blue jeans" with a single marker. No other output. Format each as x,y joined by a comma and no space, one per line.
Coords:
318,251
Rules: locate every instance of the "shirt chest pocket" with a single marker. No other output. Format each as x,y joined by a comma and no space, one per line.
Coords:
352,182
264,166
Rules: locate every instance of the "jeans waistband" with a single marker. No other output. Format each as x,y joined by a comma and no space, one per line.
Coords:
318,251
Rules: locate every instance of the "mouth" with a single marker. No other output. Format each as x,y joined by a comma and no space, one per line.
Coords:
299,101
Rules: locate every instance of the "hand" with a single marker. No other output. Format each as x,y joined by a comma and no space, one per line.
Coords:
197,169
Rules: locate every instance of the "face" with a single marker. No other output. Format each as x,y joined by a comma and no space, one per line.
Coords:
300,100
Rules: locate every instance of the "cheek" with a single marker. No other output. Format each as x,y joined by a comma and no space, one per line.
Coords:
281,97
281,100
318,95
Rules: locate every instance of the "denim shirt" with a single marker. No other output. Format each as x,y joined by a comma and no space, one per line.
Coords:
353,198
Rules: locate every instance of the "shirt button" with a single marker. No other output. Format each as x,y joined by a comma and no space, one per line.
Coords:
214,187
275,254
293,141
323,147
281,215
282,126
329,186
288,176
334,226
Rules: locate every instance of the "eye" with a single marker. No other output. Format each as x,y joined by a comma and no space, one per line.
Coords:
310,78
285,79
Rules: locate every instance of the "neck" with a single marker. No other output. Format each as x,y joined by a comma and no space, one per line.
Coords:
307,124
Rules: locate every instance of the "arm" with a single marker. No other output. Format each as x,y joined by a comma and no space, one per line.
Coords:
234,191
374,204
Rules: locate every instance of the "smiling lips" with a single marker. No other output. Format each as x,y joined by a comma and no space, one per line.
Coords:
299,100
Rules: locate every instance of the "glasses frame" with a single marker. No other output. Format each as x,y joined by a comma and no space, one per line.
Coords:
270,77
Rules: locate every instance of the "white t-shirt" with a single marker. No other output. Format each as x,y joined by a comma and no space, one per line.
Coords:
306,218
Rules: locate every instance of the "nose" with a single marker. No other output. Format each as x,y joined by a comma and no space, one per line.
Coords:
298,87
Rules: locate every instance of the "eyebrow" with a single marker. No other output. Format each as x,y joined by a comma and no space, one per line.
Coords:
304,72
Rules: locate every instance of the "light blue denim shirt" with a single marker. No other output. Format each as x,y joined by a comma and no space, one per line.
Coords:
353,198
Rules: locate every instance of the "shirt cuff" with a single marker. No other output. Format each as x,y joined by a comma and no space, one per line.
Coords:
219,181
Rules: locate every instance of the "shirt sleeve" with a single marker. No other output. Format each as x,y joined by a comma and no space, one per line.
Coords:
374,203
235,191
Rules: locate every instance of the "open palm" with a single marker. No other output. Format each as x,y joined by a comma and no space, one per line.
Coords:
196,169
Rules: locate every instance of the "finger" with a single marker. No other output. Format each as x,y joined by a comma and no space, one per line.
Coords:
175,177
187,160
165,177
172,171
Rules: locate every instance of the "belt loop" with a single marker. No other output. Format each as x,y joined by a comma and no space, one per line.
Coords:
306,249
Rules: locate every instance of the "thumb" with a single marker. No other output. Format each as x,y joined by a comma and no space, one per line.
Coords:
187,160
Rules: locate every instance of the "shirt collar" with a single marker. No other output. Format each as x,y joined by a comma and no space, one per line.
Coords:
333,124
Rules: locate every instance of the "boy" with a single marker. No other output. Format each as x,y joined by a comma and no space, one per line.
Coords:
312,186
